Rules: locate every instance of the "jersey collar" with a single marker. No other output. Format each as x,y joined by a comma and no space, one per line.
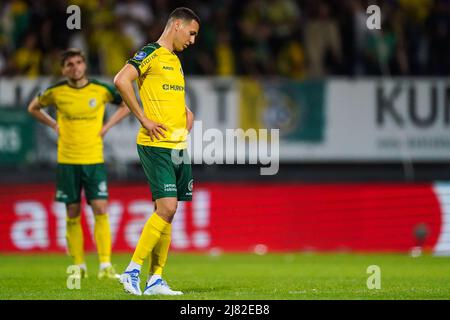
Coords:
87,83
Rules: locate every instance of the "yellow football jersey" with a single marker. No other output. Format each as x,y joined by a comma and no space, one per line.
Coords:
161,88
80,114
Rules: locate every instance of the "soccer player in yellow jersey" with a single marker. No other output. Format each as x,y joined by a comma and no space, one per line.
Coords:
161,141
80,107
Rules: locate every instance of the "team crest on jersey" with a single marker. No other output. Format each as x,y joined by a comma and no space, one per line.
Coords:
140,55
191,185
92,102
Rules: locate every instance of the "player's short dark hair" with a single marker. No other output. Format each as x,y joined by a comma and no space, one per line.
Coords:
184,14
71,52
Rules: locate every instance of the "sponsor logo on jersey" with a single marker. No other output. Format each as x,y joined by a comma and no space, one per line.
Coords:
70,118
148,59
140,55
172,87
167,68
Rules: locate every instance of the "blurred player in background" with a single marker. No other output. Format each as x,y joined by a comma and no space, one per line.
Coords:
166,122
80,105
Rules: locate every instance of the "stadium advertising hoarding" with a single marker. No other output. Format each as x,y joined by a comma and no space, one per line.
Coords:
401,119
335,120
16,136
393,120
360,217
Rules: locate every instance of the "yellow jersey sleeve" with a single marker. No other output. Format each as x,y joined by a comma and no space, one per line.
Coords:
112,95
46,98
144,59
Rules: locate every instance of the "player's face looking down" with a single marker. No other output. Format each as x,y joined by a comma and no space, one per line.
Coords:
185,33
74,68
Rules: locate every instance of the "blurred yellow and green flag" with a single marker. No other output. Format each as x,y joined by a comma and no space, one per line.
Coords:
296,108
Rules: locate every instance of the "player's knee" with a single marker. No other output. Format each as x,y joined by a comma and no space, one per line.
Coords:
168,209
99,209
73,210
171,209
99,212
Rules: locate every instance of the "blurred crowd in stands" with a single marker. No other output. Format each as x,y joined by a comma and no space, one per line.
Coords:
296,39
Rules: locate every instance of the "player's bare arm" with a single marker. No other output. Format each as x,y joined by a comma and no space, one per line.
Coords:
189,119
35,108
120,113
124,83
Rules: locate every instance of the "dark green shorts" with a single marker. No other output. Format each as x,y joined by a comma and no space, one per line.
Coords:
71,178
168,176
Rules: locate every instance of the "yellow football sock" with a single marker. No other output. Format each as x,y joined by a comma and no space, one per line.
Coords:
149,238
102,234
161,251
75,241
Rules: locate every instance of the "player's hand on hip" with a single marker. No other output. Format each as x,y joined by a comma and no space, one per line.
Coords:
154,129
103,132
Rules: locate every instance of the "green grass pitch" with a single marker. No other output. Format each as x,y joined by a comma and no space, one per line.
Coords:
239,276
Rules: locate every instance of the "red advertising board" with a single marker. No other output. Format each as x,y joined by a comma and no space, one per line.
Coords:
240,217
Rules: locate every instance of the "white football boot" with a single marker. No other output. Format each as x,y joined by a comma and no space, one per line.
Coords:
131,282
159,286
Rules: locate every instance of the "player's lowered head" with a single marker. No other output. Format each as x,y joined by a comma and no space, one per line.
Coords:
181,29
73,64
